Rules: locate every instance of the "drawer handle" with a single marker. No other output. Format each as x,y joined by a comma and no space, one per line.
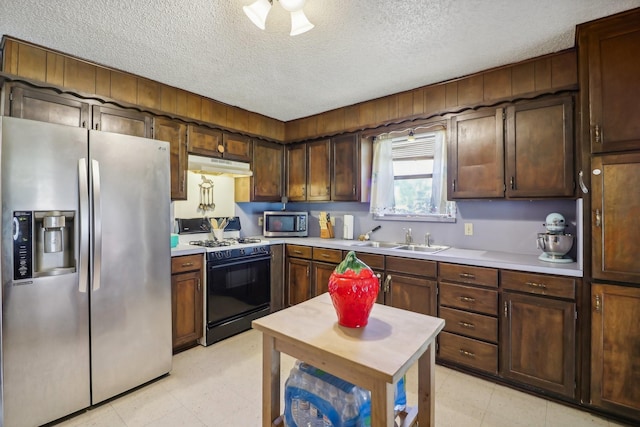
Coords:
467,325
326,255
537,285
467,354
187,264
467,299
467,276
297,252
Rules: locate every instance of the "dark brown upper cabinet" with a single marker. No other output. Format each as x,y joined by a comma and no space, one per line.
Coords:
476,155
609,66
204,141
539,149
236,147
47,106
175,133
296,186
121,120
346,168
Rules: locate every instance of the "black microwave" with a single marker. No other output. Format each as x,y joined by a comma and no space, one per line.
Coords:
285,224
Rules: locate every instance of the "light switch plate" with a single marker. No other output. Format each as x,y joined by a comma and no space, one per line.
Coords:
468,229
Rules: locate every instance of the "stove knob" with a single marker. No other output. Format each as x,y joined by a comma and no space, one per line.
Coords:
219,255
241,251
227,253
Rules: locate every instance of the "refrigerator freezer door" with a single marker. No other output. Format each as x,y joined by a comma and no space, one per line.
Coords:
45,321
131,309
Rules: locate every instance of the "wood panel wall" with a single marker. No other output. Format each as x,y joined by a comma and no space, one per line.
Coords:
546,74
87,79
527,79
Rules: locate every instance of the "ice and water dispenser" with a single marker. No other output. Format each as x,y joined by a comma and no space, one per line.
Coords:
43,243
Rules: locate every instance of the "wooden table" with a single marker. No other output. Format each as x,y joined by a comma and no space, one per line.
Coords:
374,357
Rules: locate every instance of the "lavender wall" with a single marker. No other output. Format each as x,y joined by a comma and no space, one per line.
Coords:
500,225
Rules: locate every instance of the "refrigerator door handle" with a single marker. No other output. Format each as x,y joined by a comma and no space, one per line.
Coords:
97,224
83,187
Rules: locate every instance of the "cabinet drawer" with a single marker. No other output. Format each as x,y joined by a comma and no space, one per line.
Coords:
561,287
470,324
328,255
184,263
411,266
470,352
472,275
299,251
374,261
469,298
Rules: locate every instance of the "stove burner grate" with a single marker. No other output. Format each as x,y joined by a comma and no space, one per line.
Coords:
249,240
210,243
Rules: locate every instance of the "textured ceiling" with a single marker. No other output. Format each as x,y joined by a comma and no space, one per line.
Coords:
358,50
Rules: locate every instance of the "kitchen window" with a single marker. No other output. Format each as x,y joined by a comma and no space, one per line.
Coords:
409,177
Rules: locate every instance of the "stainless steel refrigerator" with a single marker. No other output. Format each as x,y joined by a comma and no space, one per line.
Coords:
86,280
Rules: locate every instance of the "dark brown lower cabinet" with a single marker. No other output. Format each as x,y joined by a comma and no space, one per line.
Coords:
321,273
411,285
298,280
186,300
538,342
615,349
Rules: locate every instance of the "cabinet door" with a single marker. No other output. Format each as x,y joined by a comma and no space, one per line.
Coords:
205,141
319,178
321,273
615,349
297,172
186,302
476,155
120,120
615,208
539,149
412,293
538,342
48,107
609,52
176,134
236,147
267,172
298,280
345,171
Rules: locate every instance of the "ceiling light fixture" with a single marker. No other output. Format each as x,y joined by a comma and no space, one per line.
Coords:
257,12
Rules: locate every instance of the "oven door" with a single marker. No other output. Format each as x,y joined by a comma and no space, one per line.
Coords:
237,288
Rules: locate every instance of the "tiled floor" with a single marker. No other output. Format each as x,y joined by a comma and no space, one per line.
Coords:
220,386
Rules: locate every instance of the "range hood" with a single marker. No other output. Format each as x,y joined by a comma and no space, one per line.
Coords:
213,166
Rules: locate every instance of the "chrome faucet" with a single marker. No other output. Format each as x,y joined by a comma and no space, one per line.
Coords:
408,239
427,240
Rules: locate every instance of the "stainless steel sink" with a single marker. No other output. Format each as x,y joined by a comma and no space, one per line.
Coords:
422,248
372,244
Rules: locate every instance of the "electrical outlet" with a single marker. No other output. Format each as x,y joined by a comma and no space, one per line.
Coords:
333,220
260,219
468,229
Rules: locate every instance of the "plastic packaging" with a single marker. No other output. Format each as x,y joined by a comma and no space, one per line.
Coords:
314,398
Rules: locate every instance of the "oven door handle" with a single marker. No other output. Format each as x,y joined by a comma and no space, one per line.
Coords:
211,266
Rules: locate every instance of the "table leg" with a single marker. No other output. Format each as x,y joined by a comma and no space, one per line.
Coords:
382,404
426,387
270,381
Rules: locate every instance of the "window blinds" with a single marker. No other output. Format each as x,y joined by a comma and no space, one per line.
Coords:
422,147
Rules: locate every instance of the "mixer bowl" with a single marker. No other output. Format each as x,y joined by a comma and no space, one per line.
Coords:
555,245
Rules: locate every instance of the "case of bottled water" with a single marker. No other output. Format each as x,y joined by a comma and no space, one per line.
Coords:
314,398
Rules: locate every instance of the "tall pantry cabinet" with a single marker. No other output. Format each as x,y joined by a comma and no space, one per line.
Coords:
609,74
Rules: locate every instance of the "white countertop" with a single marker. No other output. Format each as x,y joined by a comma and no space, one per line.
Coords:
493,259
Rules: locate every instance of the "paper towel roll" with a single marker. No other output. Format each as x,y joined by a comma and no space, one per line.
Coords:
348,227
